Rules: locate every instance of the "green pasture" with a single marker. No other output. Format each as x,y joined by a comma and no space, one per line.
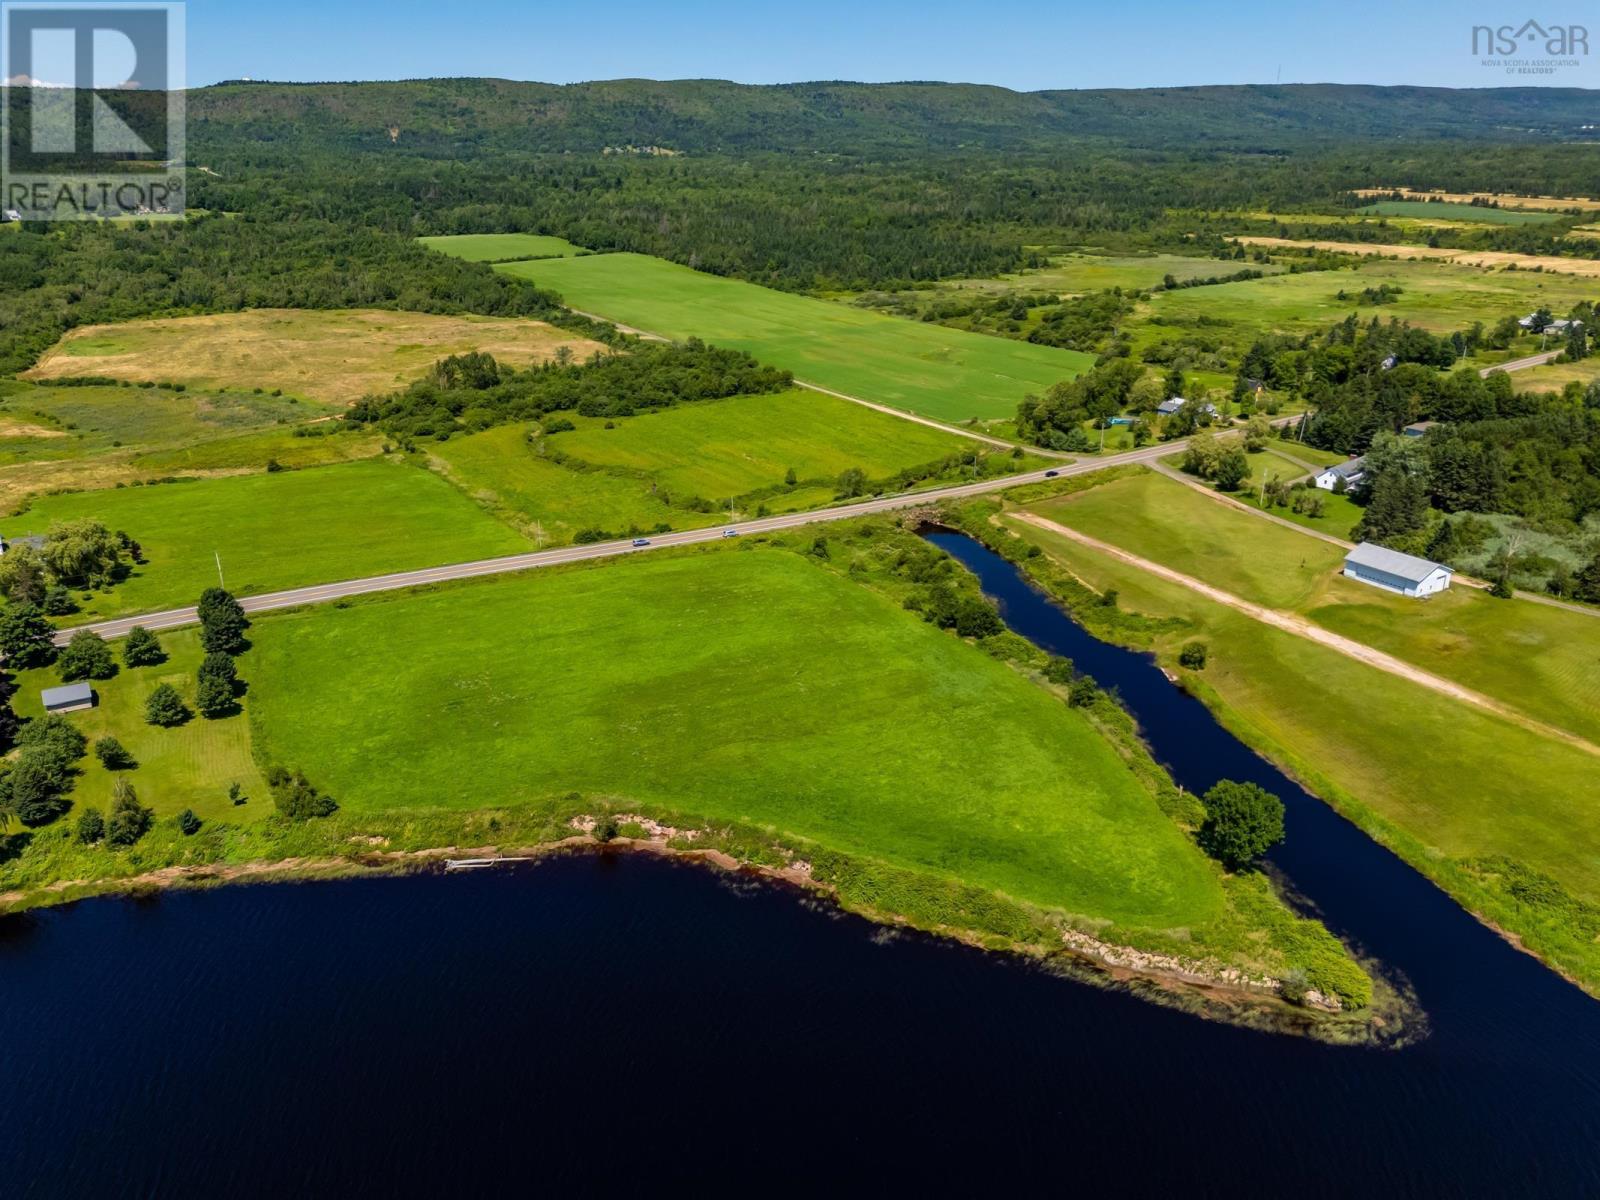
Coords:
1439,297
948,374
501,247
275,531
650,469
668,682
1446,210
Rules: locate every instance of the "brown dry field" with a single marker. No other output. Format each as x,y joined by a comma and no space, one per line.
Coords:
337,355
1503,199
1589,268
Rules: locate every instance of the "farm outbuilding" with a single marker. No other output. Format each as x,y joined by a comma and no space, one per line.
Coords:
69,697
1396,572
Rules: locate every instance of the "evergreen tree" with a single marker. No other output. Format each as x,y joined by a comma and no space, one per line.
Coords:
25,636
142,648
222,622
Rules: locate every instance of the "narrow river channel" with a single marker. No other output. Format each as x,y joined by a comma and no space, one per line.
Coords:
616,1022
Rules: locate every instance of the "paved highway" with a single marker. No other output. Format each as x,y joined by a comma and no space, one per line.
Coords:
172,618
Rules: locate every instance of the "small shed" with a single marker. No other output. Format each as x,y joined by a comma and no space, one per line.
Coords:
1396,572
1417,428
69,697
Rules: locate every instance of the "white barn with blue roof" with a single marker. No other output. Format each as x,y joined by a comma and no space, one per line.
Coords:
1396,572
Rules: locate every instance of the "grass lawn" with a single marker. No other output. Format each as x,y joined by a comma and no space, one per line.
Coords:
501,247
1457,212
668,681
649,469
1544,661
189,766
278,530
336,355
948,374
1441,782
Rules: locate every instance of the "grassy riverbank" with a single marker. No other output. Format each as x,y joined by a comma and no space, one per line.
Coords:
1498,815
919,776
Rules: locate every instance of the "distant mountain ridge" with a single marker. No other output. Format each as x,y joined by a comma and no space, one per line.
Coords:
438,116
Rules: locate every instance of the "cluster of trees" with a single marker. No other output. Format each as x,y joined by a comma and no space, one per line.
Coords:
469,392
34,783
1056,419
1227,464
79,554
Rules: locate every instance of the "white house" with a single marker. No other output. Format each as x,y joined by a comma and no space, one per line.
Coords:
1350,471
1396,572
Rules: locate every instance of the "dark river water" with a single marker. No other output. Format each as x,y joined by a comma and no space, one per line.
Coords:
609,1022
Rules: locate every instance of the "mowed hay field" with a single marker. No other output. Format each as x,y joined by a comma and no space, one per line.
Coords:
1472,213
280,530
189,766
697,684
1439,297
1504,199
1073,274
1534,658
942,373
501,247
652,465
1447,785
1494,259
336,356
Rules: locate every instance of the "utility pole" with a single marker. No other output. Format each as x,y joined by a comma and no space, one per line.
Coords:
220,582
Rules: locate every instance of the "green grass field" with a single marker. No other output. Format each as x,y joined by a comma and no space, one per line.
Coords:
669,682
1439,781
1457,212
501,247
1073,274
277,531
189,766
59,422
734,446
1533,657
943,373
653,466
1439,297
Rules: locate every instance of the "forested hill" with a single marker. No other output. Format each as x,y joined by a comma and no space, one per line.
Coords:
456,116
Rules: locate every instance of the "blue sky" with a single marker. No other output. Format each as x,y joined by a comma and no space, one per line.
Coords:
1039,44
